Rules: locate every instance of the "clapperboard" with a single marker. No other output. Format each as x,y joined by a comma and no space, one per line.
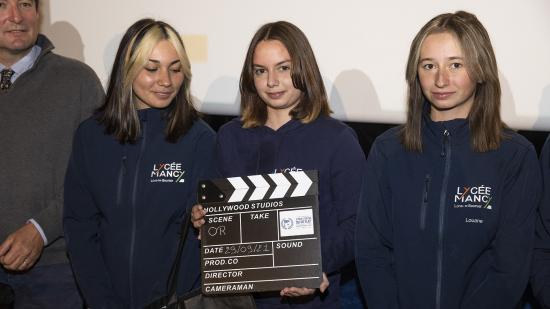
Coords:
261,233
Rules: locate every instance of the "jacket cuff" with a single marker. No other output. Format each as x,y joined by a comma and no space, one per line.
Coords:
39,229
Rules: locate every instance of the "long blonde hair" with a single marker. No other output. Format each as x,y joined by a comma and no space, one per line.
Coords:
118,113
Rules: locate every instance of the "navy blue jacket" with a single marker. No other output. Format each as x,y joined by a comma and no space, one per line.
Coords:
449,227
326,145
123,209
540,278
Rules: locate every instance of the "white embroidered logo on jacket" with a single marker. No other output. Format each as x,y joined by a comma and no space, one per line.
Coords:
167,172
473,197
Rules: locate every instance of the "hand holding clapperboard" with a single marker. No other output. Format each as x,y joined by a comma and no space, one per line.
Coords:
261,233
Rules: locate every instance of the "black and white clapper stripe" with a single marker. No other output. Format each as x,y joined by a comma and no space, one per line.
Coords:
259,187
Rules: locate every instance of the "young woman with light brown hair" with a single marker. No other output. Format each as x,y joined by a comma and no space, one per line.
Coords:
285,126
447,215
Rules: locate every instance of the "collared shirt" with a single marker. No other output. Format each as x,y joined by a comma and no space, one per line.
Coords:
20,67
25,63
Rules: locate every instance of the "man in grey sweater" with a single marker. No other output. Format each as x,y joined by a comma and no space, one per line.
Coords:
43,98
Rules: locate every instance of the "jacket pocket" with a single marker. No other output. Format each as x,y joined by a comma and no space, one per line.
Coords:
424,205
120,181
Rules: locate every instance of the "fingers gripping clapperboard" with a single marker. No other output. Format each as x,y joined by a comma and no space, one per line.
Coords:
261,233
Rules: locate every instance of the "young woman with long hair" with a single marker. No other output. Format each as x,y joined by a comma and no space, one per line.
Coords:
285,126
447,215
133,173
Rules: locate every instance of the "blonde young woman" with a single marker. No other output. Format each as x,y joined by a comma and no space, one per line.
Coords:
133,173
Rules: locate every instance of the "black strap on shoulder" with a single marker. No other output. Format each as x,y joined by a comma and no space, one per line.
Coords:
174,271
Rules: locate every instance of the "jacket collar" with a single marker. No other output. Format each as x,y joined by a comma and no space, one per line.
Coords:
459,129
44,43
152,114
290,125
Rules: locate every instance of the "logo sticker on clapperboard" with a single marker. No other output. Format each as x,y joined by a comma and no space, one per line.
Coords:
296,222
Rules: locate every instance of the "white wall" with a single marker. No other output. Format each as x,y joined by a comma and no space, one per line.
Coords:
361,46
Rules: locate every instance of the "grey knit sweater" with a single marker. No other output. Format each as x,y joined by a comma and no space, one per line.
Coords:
38,117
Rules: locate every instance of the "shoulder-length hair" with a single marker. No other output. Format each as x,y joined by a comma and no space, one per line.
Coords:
304,72
486,126
119,112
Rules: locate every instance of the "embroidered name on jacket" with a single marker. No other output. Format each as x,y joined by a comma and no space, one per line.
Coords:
167,172
473,197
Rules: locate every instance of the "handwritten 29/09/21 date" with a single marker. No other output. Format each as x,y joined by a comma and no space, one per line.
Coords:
258,248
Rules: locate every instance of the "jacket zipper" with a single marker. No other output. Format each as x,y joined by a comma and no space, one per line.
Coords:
445,153
424,205
134,201
121,174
